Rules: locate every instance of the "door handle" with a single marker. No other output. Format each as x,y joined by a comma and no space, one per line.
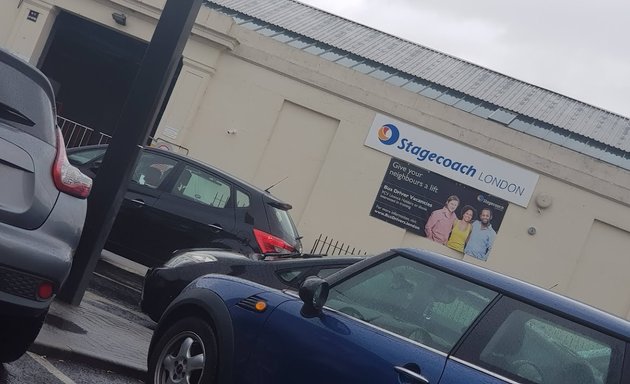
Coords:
215,227
415,376
138,202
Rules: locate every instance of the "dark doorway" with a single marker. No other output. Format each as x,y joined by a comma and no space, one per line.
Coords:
92,69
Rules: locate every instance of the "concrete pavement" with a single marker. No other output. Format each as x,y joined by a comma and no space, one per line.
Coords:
100,332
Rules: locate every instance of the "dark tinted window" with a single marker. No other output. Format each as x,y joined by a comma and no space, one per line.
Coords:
202,187
82,157
242,199
325,272
152,169
289,275
281,224
532,346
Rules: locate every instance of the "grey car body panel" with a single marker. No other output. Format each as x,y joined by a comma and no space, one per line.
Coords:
40,227
30,92
46,252
27,190
27,151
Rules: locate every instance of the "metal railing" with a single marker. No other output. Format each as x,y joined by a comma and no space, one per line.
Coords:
78,135
329,246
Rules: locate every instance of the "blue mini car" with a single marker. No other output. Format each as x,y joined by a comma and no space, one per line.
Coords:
405,316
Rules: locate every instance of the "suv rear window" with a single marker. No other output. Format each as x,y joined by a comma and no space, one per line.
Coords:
281,224
25,105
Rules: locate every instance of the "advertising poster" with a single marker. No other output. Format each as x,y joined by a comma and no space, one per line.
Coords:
443,210
453,160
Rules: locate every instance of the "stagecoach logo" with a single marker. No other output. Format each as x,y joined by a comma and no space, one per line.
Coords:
388,134
451,159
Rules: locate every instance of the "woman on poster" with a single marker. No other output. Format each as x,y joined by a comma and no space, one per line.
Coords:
441,221
461,229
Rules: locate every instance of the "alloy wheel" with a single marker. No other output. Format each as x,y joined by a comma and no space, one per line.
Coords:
182,360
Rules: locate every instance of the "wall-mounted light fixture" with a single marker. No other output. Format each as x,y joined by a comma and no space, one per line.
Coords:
543,201
119,18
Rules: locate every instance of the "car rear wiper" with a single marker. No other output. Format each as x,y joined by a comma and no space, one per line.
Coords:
9,113
294,255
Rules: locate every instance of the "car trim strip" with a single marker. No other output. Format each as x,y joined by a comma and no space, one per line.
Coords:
487,372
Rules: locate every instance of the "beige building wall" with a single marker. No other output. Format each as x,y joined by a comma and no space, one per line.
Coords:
247,98
8,17
265,111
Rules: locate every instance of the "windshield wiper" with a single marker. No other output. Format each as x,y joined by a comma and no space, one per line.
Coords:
9,113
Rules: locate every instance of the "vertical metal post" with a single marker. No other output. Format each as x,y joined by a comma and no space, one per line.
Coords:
137,117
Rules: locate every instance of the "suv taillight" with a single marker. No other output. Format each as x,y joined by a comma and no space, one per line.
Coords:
68,179
272,244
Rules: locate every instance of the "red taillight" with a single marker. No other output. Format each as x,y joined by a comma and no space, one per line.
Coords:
68,178
271,244
45,290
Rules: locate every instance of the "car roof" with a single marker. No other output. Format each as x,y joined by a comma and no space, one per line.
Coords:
28,70
201,164
537,296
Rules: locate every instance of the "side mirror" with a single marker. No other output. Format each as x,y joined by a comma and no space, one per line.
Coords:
314,293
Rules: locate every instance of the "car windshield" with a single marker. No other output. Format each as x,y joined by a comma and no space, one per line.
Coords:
413,300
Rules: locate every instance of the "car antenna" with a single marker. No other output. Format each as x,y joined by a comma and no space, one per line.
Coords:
268,188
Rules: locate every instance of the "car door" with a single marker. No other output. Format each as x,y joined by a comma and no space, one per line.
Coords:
197,210
393,322
518,343
135,230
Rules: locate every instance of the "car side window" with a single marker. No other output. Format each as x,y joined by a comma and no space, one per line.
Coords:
532,346
289,275
152,169
82,157
412,300
325,272
202,187
242,199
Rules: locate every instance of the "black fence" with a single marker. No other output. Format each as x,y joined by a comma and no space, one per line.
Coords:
330,247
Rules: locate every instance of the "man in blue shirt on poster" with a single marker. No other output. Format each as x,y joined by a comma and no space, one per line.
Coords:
481,236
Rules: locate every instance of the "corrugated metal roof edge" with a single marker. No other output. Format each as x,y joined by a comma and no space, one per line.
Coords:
435,51
548,92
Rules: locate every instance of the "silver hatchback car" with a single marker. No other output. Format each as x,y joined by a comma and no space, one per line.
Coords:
42,205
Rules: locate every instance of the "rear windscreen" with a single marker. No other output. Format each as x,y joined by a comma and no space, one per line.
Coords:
282,225
24,105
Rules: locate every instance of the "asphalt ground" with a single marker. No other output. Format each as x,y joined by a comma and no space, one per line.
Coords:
33,368
106,333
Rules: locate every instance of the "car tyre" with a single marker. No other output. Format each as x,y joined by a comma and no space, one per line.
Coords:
185,353
17,335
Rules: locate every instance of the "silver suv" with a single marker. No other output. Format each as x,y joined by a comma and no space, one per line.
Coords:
42,205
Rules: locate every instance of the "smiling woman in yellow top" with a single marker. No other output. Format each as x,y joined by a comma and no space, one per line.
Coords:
461,229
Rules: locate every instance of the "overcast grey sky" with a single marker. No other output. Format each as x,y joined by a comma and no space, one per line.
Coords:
578,48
